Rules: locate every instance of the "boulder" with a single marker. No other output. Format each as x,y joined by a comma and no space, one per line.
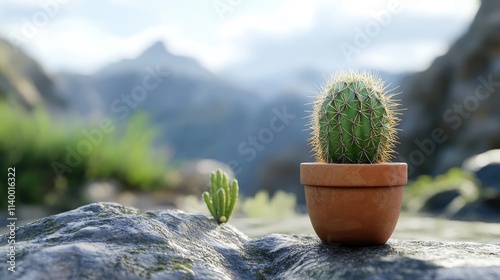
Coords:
486,168
479,210
438,202
109,241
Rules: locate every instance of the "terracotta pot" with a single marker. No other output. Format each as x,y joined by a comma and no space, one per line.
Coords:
354,204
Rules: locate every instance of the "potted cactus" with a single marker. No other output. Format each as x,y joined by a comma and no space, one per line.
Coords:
353,194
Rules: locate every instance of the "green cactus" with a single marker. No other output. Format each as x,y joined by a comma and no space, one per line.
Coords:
354,120
221,200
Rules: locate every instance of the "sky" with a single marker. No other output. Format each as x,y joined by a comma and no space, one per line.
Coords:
252,37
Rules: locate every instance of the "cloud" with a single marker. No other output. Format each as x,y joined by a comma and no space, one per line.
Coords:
408,40
382,56
258,37
86,47
79,44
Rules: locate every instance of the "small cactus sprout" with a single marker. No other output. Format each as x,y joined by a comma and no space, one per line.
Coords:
221,200
354,120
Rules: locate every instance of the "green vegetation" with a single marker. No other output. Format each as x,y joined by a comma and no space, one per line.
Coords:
281,205
354,120
418,191
221,201
54,159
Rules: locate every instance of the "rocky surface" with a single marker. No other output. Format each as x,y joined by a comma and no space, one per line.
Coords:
452,107
409,227
107,240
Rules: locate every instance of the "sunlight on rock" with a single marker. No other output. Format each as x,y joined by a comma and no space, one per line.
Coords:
477,162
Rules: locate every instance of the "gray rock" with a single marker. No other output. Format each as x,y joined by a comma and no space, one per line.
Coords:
486,168
479,210
437,203
109,241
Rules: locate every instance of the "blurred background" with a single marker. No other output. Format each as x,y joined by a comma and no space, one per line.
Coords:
138,101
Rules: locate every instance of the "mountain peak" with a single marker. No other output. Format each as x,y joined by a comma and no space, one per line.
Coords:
157,54
157,49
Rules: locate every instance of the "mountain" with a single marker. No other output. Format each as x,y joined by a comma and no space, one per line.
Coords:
24,82
198,111
157,54
304,81
199,114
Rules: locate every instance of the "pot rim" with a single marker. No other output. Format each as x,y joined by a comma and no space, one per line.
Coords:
389,174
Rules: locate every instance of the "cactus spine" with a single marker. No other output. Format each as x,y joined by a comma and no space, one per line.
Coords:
221,200
354,120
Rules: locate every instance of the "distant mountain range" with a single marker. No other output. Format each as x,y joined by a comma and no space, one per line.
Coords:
201,114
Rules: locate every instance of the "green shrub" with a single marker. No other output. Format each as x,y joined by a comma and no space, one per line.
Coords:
37,146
